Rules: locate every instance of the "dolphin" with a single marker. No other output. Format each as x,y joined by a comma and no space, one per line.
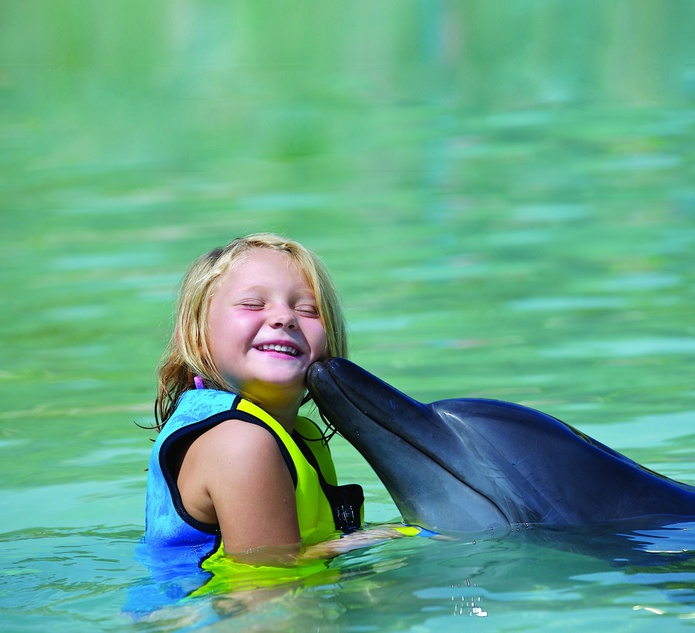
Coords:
470,465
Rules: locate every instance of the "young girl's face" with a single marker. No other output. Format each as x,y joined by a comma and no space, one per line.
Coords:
264,328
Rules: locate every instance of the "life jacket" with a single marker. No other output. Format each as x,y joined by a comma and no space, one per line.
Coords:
323,507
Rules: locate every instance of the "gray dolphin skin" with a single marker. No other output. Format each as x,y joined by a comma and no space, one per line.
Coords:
468,465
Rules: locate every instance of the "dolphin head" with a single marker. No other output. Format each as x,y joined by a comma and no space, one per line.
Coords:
425,457
469,464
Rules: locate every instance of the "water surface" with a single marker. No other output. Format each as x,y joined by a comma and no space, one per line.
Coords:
504,195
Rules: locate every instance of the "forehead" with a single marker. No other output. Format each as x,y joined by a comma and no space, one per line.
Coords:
260,265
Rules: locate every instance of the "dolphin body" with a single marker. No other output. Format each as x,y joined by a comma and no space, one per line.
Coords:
469,465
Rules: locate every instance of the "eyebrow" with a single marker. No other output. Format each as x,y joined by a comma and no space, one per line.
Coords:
305,293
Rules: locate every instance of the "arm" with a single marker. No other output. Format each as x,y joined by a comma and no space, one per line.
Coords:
234,475
357,540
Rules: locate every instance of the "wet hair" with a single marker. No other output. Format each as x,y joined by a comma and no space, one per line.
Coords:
188,353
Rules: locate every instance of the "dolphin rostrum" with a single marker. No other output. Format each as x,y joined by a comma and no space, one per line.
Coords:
467,465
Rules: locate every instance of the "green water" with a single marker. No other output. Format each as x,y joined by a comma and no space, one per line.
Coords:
504,192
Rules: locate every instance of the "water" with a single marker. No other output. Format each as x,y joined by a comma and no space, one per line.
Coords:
505,198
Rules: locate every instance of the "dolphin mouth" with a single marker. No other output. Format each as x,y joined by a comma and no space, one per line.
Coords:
336,381
338,377
330,385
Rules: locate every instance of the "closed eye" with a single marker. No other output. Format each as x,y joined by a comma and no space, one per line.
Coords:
252,305
307,310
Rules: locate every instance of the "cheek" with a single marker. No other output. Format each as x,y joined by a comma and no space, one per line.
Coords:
212,334
320,343
221,339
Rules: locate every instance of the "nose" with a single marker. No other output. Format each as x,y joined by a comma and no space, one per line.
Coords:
282,317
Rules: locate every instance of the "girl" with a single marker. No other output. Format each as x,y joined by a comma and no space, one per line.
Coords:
233,465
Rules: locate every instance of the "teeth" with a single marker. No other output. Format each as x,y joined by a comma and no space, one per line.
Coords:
286,349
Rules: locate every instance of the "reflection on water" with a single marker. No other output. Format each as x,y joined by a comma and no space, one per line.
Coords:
504,195
421,584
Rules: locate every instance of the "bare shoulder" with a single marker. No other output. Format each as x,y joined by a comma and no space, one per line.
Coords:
233,450
239,476
234,455
235,440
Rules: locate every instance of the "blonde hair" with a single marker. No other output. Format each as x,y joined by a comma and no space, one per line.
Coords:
188,353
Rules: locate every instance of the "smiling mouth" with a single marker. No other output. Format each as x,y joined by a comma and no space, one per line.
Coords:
282,349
